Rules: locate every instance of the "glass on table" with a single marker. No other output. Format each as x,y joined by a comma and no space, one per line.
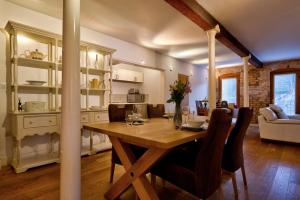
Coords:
186,112
169,114
129,117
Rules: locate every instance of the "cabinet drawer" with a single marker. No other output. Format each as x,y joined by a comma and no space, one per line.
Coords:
97,117
84,118
40,121
100,117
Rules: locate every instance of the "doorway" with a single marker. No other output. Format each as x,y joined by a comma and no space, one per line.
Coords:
184,78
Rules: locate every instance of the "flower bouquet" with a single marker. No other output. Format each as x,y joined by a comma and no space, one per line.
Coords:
178,90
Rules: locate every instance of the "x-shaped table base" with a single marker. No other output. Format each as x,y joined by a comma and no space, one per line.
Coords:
135,171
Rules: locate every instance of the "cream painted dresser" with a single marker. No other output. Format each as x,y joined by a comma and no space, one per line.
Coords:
29,124
35,75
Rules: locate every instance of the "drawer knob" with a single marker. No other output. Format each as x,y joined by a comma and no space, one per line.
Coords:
30,122
50,121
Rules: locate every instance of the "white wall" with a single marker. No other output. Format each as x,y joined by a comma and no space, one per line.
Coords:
125,51
198,78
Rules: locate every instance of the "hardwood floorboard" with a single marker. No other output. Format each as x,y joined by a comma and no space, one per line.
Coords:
272,170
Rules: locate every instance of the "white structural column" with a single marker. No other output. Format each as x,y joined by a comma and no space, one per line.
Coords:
211,34
246,81
70,170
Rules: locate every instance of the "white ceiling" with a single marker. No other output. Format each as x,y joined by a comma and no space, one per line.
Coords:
269,28
149,23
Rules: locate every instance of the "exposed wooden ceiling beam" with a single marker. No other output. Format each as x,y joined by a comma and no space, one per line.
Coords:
195,12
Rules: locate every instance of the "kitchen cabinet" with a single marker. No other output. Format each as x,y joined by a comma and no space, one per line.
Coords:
125,75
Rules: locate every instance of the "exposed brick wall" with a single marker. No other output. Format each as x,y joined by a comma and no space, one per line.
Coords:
259,82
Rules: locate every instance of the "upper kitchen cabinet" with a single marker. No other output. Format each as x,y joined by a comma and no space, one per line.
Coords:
124,73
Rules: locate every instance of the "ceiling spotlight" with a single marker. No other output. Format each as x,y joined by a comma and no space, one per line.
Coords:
142,62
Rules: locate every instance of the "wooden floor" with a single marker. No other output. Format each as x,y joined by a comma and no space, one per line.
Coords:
273,172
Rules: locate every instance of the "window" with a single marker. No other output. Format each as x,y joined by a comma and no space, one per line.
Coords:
285,92
284,84
229,88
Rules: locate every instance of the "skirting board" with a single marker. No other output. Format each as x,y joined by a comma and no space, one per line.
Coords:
279,142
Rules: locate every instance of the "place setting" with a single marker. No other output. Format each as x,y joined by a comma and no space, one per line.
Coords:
134,118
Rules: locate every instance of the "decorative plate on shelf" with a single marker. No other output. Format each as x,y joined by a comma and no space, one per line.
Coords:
39,83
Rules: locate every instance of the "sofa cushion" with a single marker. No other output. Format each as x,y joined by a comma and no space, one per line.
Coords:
279,112
268,114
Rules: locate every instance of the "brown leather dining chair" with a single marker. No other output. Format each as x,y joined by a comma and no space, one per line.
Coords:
116,113
198,172
233,158
155,111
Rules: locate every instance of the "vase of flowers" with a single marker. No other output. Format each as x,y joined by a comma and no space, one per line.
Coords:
178,90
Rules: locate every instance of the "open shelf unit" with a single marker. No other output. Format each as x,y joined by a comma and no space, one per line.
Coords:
36,55
96,63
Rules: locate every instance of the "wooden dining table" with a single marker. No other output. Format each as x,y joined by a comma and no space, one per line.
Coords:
157,135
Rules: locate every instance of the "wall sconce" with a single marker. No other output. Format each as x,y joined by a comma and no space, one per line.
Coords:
171,68
191,73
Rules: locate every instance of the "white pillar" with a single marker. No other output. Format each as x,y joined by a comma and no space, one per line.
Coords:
211,34
70,170
246,81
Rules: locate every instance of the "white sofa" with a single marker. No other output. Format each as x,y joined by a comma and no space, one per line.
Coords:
273,128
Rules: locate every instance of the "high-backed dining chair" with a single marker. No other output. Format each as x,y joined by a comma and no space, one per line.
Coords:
198,172
155,111
116,113
233,158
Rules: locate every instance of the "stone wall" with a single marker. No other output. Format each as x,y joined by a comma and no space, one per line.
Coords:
259,82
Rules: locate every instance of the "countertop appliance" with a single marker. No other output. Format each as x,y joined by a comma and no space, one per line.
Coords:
134,96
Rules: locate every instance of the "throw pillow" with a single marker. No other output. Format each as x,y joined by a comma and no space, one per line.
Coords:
268,114
279,112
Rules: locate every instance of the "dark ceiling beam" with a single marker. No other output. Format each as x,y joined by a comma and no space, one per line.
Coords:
195,12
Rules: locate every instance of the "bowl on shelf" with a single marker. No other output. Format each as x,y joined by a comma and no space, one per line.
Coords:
37,83
95,108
